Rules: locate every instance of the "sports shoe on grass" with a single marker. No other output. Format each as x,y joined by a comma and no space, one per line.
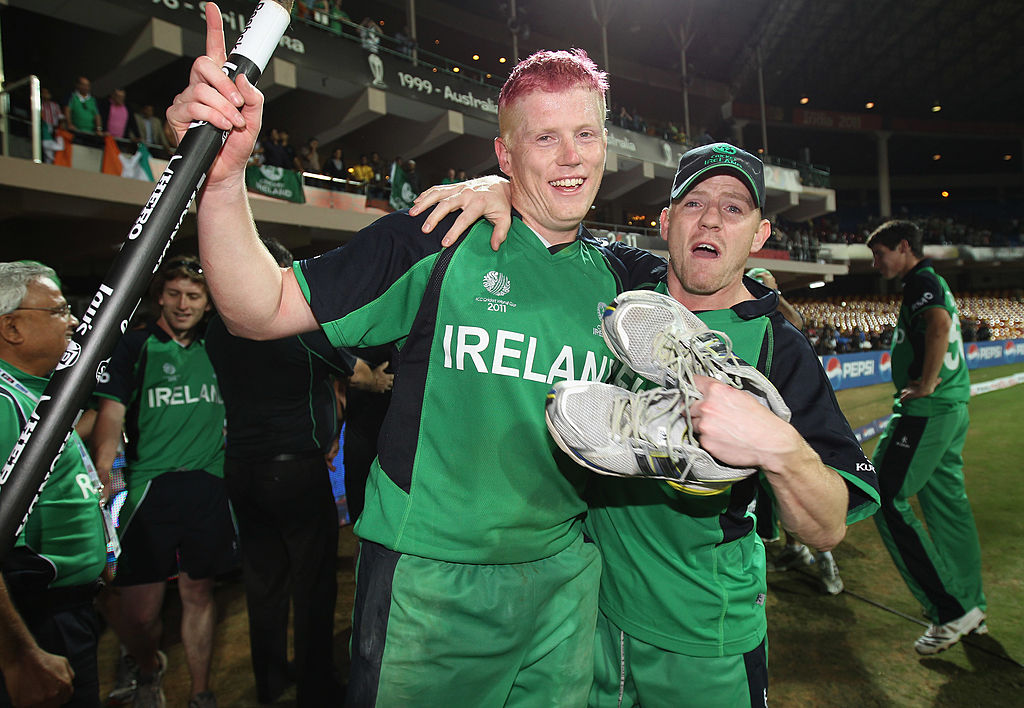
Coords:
794,555
150,693
940,637
616,432
126,680
828,571
665,343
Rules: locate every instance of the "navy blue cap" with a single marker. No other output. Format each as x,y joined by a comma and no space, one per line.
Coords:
705,161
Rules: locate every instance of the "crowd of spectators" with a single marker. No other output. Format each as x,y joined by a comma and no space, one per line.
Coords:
971,230
368,175
845,324
828,339
84,117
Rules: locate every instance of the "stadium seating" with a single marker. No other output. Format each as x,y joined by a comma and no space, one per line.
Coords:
1002,310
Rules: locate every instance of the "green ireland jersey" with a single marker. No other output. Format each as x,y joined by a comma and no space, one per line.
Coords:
62,543
466,470
924,289
686,573
175,418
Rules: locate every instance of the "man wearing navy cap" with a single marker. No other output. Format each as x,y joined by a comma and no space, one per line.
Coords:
683,589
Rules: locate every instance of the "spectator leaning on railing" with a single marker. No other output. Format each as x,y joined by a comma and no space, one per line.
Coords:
81,112
362,172
151,128
120,121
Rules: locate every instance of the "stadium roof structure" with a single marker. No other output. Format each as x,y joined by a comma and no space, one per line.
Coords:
905,57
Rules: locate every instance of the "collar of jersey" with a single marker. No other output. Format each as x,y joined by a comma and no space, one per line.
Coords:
34,383
155,330
522,236
921,265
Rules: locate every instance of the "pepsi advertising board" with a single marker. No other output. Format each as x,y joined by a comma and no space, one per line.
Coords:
867,368
982,354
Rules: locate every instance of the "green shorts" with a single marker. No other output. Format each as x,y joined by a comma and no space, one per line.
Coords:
433,633
629,673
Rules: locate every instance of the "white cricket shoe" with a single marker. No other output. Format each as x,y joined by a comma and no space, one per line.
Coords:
616,432
794,555
828,571
940,637
665,343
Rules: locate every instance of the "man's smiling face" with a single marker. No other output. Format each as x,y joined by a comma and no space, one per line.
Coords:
554,153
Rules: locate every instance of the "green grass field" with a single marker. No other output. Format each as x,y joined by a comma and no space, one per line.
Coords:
856,649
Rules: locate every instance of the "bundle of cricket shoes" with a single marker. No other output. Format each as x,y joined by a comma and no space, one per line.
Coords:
614,431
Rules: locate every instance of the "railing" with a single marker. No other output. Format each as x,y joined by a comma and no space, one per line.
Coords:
35,109
810,174
410,52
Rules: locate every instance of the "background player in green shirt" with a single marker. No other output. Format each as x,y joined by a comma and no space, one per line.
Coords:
920,451
51,576
475,586
161,388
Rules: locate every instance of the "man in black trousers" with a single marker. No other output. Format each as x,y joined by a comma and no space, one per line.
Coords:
282,423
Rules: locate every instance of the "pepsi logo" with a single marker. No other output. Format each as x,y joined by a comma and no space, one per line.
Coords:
834,371
972,352
1009,350
885,362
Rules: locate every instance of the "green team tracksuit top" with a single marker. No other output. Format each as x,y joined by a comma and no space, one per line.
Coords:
924,289
467,471
175,417
62,543
686,573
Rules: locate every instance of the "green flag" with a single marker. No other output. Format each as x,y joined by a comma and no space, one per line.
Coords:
401,192
275,182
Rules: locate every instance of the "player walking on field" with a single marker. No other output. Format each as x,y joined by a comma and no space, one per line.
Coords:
920,451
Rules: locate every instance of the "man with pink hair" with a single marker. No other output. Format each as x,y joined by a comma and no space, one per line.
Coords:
475,584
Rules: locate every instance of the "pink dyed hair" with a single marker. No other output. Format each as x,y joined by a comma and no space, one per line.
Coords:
552,71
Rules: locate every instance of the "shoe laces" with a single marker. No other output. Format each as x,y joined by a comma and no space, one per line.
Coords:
633,415
689,352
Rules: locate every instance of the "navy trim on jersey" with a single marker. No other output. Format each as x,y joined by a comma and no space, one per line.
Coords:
903,441
799,376
755,662
735,522
376,574
397,451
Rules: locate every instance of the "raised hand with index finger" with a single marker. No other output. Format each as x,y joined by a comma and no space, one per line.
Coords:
212,97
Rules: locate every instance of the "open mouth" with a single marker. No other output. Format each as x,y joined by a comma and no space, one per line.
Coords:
705,250
568,184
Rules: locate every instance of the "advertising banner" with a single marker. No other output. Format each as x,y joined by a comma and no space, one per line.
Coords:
275,182
866,368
